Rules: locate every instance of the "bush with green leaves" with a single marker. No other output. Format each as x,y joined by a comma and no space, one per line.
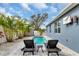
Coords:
12,25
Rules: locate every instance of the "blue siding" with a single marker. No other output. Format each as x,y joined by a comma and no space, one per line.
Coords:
69,36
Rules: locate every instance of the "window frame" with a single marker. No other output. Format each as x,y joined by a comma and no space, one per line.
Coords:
57,27
50,28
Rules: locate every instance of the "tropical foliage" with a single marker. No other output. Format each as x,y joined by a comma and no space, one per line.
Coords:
13,26
16,26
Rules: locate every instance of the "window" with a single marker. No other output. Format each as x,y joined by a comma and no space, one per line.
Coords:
57,28
47,29
50,28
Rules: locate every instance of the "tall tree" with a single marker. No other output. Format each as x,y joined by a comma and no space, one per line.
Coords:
38,19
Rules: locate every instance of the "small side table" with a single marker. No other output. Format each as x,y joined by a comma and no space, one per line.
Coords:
40,46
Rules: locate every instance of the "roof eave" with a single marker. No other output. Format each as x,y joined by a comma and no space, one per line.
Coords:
65,10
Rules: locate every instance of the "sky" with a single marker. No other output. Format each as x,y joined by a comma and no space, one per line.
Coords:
26,10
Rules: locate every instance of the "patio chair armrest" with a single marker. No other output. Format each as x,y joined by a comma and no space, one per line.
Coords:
22,49
58,48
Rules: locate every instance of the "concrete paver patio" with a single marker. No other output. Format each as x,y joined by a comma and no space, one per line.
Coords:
14,49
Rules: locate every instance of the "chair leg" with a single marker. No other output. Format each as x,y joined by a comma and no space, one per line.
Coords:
33,53
23,52
57,53
38,49
48,53
42,49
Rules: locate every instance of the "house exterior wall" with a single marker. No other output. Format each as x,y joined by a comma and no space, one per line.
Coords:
69,36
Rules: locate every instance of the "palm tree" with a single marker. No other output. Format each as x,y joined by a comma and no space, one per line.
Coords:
9,28
21,28
2,22
12,25
8,25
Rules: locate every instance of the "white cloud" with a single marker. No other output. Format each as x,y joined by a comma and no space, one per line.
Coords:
6,4
40,5
21,15
18,12
49,20
53,9
12,10
2,10
8,14
25,7
62,5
